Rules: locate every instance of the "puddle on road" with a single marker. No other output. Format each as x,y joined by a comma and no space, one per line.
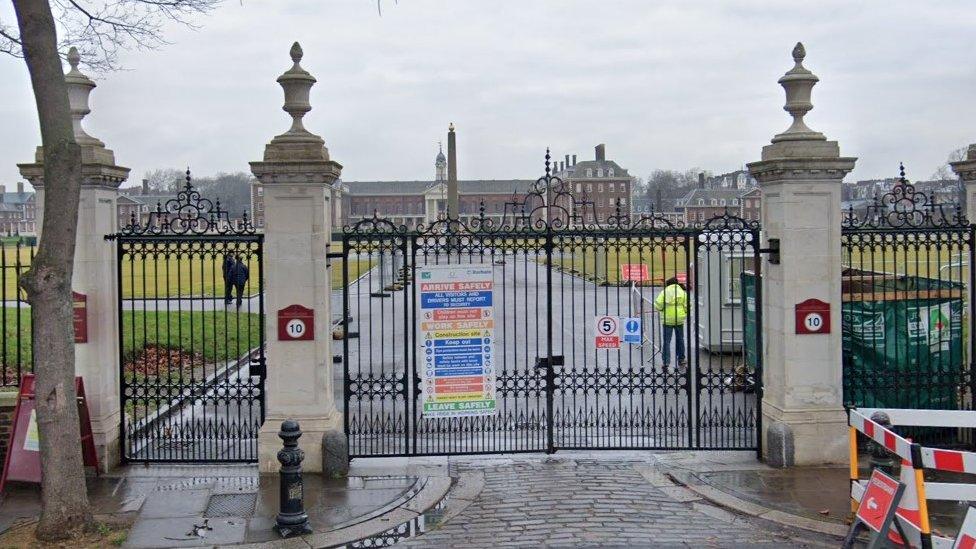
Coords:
412,528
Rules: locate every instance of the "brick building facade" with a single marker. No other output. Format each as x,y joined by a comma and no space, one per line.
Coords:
599,181
18,212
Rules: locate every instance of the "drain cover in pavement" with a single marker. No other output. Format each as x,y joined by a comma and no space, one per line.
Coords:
231,505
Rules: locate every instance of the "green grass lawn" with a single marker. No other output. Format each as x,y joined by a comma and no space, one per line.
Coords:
662,261
212,336
158,276
914,259
151,275
12,262
15,348
357,268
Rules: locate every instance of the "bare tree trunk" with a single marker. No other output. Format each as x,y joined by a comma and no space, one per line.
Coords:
48,283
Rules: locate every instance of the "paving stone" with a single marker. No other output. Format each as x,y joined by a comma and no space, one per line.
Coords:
591,502
172,532
175,504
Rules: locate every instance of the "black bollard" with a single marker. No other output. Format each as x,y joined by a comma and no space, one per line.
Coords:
292,520
881,458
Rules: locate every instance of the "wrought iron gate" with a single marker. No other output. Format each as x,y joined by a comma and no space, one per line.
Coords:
907,270
557,266
191,333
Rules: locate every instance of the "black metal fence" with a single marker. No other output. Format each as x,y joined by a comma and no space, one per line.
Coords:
191,333
554,273
907,309
16,347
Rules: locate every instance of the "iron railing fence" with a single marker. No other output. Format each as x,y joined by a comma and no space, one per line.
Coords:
16,356
555,269
907,308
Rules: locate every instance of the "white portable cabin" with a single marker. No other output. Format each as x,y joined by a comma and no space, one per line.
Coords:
721,258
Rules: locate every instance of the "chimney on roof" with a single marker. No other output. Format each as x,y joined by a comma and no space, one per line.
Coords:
701,180
559,166
20,187
601,152
574,159
3,189
145,187
567,161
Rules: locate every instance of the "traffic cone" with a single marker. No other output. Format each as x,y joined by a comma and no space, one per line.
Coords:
908,506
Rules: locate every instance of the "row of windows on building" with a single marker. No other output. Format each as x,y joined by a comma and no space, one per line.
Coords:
735,202
600,187
599,172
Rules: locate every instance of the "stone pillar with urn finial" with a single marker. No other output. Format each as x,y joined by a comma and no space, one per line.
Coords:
94,276
803,417
297,175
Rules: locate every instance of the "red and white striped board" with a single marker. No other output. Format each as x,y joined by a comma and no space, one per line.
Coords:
883,436
949,460
966,539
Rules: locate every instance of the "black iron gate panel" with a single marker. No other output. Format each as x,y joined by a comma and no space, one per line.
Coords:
191,334
906,307
555,271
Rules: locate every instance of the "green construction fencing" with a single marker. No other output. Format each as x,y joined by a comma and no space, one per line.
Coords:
902,341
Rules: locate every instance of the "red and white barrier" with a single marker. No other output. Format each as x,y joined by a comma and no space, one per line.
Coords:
912,513
878,433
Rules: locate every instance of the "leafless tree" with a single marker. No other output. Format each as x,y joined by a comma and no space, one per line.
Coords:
165,180
944,172
44,32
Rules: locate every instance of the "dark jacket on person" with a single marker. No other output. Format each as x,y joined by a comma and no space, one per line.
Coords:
228,267
238,273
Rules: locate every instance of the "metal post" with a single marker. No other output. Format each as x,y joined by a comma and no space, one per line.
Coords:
292,520
880,457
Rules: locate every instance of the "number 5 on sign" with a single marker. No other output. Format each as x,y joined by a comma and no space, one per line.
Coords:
607,332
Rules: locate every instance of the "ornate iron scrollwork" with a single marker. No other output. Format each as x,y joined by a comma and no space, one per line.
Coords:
187,214
905,207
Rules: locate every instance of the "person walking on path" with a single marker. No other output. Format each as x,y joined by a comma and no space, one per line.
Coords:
672,304
238,277
228,266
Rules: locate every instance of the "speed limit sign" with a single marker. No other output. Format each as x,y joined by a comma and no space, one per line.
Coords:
813,317
607,332
295,328
813,322
296,323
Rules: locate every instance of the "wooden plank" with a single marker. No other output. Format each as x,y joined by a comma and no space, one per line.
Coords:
902,295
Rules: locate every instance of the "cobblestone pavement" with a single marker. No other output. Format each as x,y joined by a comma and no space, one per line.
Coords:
595,502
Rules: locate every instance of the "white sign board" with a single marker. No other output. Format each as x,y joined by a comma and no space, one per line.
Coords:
606,332
456,335
631,330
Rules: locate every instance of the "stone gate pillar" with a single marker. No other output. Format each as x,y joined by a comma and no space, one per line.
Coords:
97,360
800,176
297,175
966,170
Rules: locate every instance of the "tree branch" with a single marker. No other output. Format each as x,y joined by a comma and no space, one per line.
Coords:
100,29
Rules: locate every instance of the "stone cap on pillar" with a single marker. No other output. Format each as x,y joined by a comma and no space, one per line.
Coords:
298,155
98,163
800,152
966,169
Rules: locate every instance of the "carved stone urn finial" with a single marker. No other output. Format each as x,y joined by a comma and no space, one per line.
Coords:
79,89
798,83
297,84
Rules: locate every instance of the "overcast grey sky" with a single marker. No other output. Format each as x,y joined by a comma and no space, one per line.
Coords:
665,84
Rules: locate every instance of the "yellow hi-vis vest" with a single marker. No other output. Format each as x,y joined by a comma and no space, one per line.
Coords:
672,302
